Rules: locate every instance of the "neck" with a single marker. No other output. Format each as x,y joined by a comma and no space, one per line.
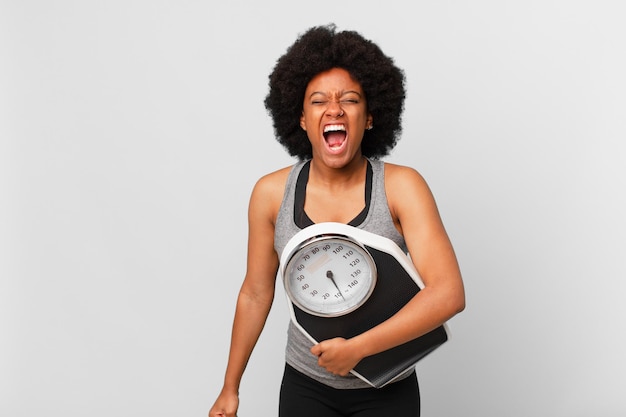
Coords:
346,175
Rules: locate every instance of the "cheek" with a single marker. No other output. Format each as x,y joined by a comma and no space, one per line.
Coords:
309,123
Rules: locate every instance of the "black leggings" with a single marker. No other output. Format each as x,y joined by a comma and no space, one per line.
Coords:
301,396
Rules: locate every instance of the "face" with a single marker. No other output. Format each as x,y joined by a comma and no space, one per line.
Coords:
335,117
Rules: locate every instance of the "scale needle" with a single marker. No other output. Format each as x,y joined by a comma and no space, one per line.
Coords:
329,274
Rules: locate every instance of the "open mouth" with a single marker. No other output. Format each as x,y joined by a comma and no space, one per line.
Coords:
335,136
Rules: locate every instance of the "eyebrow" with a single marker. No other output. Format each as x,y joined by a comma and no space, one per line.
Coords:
342,94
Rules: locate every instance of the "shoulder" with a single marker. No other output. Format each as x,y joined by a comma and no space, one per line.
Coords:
268,191
273,183
399,177
407,190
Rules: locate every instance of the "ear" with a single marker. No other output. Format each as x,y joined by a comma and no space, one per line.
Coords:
369,121
302,122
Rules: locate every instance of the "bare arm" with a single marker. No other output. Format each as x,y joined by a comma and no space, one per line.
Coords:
256,294
416,215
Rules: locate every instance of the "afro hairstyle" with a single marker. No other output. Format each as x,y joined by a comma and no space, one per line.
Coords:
322,48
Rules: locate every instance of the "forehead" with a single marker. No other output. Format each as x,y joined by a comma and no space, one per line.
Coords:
332,81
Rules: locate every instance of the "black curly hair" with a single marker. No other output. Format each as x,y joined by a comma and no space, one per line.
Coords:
322,48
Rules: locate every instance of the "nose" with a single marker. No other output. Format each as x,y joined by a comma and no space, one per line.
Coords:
334,109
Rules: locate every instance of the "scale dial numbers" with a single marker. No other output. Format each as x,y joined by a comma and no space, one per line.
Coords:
330,276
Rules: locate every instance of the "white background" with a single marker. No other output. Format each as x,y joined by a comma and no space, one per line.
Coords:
132,132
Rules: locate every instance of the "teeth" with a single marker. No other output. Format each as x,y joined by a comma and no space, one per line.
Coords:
334,128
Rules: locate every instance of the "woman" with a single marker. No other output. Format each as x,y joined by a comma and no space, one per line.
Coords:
336,102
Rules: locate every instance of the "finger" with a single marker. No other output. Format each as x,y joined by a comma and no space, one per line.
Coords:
317,350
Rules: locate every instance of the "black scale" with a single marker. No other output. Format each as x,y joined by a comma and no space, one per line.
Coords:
341,281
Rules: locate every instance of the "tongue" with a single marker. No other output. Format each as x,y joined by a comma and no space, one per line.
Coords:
335,139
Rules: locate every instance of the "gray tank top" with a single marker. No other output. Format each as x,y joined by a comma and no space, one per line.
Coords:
376,218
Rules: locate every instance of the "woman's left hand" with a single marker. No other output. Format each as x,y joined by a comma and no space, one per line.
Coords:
338,356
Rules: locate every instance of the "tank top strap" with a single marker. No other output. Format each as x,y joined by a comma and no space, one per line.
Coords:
302,220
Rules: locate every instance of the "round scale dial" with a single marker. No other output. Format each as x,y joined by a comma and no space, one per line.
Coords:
330,275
